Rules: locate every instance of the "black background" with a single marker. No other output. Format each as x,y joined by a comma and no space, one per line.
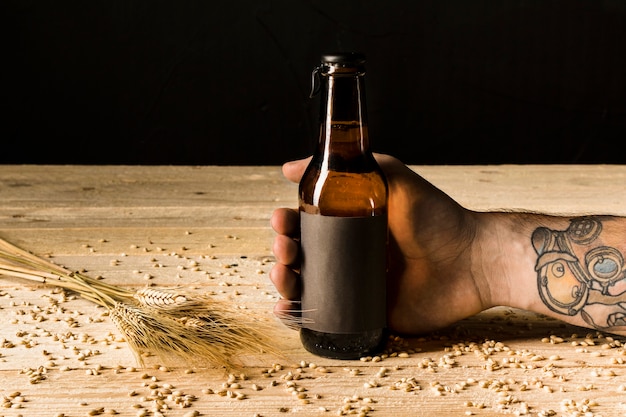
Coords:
227,82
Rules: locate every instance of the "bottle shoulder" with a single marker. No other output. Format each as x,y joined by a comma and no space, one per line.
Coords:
343,193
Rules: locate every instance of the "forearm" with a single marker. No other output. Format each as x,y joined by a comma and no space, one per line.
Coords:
568,268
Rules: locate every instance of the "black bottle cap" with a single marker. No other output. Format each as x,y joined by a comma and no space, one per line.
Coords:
336,60
344,58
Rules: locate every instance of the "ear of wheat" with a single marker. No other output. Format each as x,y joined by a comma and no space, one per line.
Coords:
165,322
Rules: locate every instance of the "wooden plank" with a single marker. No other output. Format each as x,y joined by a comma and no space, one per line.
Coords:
557,189
221,240
554,188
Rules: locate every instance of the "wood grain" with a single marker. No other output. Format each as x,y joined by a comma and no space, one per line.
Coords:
207,229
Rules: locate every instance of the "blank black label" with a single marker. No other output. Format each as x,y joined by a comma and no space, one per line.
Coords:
344,264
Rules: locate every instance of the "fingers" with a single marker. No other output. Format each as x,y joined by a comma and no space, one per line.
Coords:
288,312
285,250
286,281
294,170
286,221
392,167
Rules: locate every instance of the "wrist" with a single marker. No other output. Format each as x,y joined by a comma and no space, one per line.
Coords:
571,269
504,258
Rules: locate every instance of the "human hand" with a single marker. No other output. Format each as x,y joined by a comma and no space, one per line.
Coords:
429,282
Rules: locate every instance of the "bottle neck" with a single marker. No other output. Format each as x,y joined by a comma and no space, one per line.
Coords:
343,130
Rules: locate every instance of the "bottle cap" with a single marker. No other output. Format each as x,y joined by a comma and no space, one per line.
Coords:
344,58
336,61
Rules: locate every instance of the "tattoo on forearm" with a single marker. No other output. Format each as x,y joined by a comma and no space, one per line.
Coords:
578,272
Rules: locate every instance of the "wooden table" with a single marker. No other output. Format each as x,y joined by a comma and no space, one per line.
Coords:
136,225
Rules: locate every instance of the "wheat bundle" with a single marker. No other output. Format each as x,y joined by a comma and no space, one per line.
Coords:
164,322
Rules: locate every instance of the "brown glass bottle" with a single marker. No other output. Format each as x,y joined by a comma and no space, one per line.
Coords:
343,212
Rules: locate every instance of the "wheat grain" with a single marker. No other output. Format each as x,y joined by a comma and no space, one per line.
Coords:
164,322
160,298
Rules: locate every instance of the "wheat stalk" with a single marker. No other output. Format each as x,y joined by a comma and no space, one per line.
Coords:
164,322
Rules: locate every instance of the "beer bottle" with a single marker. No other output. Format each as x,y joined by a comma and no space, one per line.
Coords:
343,219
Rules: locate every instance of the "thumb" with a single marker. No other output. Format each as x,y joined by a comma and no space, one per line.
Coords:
294,170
